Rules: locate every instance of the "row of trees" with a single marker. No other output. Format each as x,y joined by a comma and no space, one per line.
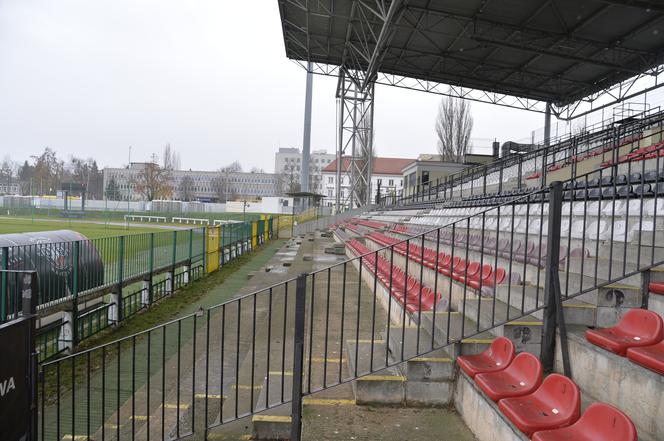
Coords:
46,174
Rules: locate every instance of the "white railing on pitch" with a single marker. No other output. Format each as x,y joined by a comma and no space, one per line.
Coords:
144,218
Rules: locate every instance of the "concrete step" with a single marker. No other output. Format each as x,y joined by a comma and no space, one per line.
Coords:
527,297
429,376
422,364
525,332
387,386
272,419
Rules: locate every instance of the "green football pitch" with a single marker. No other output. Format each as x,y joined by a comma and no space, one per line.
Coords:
90,229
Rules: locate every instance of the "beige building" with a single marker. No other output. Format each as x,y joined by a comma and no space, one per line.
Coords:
429,169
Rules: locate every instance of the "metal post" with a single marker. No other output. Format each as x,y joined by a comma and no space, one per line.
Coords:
4,265
223,250
298,357
645,289
306,137
120,276
74,291
551,284
173,260
151,263
547,124
30,307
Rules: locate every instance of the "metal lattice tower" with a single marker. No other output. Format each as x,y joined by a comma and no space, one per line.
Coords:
355,140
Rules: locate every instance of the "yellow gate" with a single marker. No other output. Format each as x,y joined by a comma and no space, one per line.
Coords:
212,237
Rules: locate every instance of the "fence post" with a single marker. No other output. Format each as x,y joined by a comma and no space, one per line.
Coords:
223,249
74,291
118,288
552,296
4,286
151,268
298,357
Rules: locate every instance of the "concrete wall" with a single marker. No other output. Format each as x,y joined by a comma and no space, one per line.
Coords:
482,415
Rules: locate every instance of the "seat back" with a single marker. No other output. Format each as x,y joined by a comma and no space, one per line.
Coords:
561,396
499,275
602,421
643,323
473,269
527,368
502,351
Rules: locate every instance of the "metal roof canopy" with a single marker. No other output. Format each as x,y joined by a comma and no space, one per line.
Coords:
519,53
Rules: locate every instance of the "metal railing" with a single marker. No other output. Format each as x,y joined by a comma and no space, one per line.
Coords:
560,152
407,292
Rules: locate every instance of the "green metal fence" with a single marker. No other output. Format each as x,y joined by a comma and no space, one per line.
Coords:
132,267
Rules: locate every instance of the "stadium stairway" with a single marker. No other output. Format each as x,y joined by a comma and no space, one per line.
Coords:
596,308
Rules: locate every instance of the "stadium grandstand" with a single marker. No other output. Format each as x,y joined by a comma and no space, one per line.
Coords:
526,294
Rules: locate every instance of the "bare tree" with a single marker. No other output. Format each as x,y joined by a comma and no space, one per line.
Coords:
171,159
454,125
222,183
153,181
289,180
186,188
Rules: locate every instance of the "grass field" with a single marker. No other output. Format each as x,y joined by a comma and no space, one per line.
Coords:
89,229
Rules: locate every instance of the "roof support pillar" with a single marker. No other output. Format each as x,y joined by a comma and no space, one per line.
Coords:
306,137
355,142
547,124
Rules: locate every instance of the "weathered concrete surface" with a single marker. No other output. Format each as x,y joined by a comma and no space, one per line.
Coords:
481,414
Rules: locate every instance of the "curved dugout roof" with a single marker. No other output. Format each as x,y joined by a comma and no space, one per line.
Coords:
557,51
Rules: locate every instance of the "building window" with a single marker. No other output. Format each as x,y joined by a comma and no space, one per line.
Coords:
330,180
391,182
425,177
329,192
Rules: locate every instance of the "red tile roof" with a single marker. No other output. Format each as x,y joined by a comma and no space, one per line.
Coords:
381,166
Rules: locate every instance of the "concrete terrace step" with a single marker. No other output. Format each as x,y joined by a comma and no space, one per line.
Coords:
386,386
525,332
527,298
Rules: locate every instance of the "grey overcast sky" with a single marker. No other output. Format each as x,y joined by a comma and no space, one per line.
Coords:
91,78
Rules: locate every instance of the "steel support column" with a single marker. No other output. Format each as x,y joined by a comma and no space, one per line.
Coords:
306,137
547,124
355,142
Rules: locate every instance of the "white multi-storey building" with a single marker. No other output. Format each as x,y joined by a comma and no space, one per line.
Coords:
288,165
205,186
386,174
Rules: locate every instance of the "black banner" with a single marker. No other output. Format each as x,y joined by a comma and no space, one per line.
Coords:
15,380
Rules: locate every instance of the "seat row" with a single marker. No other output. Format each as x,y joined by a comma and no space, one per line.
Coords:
643,153
639,336
406,289
370,223
472,273
545,410
517,250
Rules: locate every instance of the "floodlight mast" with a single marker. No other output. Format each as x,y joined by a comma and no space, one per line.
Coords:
355,95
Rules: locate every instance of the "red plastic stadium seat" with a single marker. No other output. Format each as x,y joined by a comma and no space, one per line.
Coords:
555,404
521,377
496,358
651,357
638,327
657,288
600,422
